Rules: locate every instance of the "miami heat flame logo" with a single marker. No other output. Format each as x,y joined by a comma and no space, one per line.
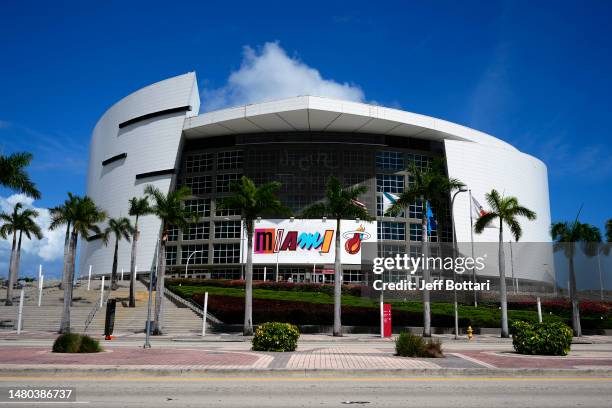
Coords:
354,238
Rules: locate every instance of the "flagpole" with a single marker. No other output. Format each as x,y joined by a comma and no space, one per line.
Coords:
472,239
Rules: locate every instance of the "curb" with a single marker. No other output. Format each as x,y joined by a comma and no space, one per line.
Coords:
119,371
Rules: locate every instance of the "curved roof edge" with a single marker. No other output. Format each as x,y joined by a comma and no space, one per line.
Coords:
315,113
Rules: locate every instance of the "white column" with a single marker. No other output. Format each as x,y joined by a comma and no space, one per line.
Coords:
121,273
40,288
20,314
204,314
539,310
264,274
102,292
89,277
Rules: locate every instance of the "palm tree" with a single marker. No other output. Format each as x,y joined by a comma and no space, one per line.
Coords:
84,216
252,201
138,208
63,215
609,230
13,175
22,223
170,210
507,209
119,228
428,185
566,235
340,203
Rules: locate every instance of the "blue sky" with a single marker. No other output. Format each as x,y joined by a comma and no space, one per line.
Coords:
536,74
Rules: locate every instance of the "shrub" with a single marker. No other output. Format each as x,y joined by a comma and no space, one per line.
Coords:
76,343
274,336
409,345
552,339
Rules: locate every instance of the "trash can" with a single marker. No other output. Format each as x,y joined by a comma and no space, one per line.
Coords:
109,323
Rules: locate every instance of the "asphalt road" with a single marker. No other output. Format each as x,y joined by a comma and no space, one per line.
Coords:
326,392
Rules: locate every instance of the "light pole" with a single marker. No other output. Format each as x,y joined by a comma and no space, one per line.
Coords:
188,258
462,189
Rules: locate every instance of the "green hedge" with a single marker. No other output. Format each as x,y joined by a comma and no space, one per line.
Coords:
554,339
274,336
76,343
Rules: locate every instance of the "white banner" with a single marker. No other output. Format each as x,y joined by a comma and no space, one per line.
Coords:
309,241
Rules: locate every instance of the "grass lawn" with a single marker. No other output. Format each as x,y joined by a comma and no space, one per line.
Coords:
482,316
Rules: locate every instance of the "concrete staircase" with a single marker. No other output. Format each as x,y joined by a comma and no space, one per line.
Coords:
178,320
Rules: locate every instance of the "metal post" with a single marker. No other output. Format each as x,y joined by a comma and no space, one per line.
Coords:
20,314
89,277
204,314
102,292
539,309
264,277
122,274
40,288
382,316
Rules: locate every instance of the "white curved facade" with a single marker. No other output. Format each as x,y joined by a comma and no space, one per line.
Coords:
481,161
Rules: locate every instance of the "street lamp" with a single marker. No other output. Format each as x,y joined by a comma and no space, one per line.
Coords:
462,189
188,258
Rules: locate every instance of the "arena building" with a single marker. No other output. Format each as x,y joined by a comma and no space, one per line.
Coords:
157,136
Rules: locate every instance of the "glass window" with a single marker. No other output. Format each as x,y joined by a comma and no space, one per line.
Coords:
171,253
416,232
226,212
390,250
352,276
197,163
198,253
422,162
415,210
230,160
352,179
225,274
226,253
392,231
199,184
198,230
200,207
224,181
390,160
173,232
227,229
389,183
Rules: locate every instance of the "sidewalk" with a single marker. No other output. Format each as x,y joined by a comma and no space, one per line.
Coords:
316,354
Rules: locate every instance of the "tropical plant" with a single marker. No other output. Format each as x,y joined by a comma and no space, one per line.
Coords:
566,235
83,216
17,223
170,210
507,210
252,201
428,186
63,215
13,175
138,207
118,228
609,230
76,343
548,338
340,203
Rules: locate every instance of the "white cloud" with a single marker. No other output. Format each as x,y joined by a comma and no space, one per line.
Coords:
50,248
271,74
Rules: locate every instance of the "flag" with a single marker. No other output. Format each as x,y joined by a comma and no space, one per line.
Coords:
477,209
359,204
431,221
388,200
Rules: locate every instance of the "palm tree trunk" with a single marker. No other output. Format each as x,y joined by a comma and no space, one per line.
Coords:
248,293
503,298
9,283
114,273
65,322
133,266
158,323
17,260
426,277
66,255
337,284
575,306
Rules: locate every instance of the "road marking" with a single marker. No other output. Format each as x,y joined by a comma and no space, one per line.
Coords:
298,379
